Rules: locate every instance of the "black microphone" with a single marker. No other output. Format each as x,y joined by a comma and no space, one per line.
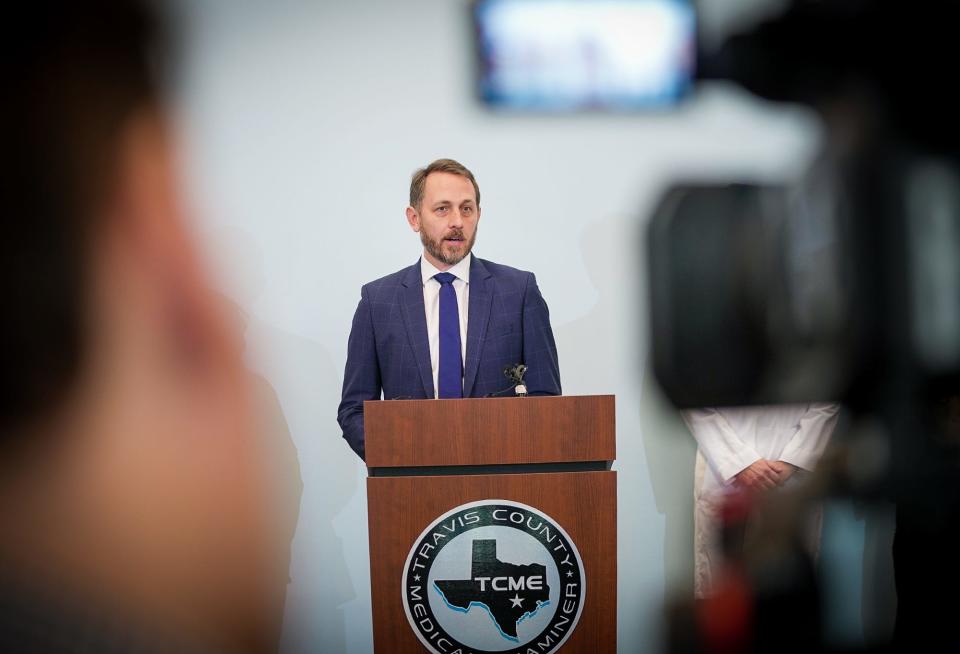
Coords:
515,374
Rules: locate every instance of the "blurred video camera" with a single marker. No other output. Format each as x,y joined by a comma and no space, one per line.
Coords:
844,285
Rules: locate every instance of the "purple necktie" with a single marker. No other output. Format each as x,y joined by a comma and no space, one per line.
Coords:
450,375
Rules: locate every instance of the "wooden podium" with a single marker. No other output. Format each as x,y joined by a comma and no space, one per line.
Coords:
522,478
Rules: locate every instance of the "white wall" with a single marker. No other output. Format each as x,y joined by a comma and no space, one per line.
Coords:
302,123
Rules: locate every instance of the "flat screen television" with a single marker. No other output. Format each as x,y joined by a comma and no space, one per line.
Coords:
575,55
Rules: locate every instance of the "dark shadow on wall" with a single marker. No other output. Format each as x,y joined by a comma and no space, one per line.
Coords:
308,387
588,363
601,352
671,454
283,490
300,401
285,485
595,361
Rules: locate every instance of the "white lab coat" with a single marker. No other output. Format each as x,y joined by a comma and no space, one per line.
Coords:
729,440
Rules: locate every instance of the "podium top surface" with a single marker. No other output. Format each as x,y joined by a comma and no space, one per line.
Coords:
490,431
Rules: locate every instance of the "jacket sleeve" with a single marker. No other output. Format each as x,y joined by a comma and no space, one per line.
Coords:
539,347
361,376
723,449
813,432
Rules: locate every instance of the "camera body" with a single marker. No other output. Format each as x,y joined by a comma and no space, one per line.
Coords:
844,285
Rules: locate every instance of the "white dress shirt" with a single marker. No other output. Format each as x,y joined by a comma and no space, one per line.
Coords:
732,438
431,306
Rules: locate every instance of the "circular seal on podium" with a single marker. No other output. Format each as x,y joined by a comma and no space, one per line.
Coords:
493,576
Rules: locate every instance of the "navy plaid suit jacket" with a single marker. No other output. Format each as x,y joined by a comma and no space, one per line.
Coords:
388,354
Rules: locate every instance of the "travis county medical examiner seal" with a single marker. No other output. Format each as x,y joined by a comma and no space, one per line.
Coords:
493,576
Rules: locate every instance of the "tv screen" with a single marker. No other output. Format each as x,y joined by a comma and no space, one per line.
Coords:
570,55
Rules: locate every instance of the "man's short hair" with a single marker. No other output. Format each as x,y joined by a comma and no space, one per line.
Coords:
72,75
439,166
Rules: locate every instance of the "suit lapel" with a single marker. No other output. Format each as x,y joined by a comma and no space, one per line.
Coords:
478,315
415,321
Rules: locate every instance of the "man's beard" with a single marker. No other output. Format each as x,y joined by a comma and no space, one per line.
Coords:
435,248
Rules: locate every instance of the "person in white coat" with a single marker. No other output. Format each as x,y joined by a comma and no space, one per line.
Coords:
754,449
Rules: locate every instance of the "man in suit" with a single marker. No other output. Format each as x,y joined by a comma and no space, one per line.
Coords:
447,326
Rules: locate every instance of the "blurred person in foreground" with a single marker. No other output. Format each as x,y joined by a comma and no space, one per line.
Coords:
134,516
750,450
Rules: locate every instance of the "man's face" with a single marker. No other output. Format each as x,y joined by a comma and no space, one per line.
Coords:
446,219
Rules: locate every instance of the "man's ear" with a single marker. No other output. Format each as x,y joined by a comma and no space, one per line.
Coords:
413,218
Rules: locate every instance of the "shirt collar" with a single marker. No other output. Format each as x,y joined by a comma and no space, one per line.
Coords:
460,271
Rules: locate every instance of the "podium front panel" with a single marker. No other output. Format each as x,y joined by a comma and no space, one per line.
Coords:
477,577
